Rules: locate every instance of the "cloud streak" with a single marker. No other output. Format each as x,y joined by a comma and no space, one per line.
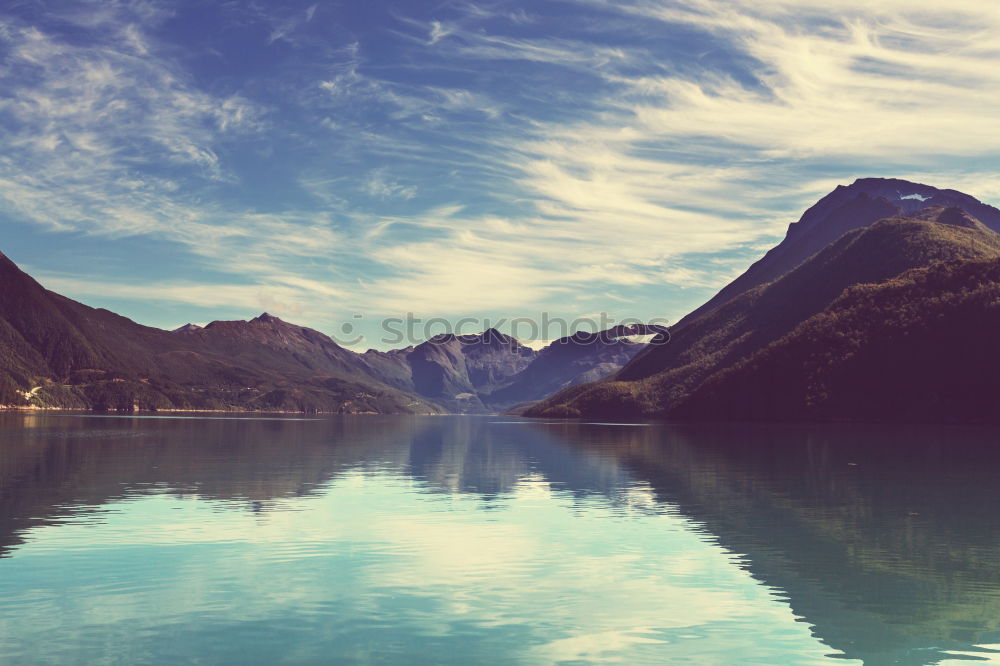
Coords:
483,158
675,166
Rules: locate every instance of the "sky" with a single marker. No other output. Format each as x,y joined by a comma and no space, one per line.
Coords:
340,163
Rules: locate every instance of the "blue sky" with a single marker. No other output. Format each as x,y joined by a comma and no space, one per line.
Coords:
348,161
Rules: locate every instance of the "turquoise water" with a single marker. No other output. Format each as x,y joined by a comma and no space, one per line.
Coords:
478,540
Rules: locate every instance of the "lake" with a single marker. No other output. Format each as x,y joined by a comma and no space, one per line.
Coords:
205,539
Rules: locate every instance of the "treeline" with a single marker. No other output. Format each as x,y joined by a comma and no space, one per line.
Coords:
921,347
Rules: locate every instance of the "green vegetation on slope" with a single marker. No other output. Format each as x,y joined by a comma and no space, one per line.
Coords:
662,377
921,347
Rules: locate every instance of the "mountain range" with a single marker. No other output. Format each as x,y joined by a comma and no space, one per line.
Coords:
58,353
880,304
491,371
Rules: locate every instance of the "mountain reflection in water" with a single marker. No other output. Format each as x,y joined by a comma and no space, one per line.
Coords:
477,539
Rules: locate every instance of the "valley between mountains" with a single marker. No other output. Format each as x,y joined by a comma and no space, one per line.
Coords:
882,303
58,353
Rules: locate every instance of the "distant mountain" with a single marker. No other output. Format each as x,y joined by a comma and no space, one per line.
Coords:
576,359
56,352
456,371
268,343
715,340
491,371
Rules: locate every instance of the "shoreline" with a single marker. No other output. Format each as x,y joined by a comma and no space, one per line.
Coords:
140,412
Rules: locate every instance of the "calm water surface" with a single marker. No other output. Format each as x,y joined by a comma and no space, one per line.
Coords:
472,540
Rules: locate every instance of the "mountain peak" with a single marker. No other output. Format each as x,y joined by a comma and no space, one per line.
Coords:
265,318
492,335
489,337
874,182
442,338
910,197
187,328
895,188
849,207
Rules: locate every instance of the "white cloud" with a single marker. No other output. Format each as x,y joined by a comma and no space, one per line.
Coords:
379,184
284,28
109,143
438,32
840,78
283,295
631,183
679,166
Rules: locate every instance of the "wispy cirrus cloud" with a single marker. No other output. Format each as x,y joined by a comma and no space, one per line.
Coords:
380,184
113,139
481,157
672,165
284,28
835,79
90,121
290,295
